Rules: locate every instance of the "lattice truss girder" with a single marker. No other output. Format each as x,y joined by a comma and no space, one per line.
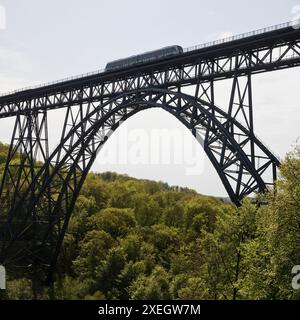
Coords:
282,54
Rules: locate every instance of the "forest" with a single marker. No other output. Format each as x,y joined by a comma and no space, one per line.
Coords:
140,239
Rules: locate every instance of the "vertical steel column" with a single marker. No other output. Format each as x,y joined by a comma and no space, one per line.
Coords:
28,151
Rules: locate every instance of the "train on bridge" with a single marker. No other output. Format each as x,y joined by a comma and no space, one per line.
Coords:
163,53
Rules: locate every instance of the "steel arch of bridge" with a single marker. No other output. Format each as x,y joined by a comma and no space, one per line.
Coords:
46,204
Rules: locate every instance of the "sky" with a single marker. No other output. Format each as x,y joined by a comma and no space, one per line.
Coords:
41,41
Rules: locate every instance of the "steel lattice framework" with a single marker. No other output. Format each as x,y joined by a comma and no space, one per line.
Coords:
39,188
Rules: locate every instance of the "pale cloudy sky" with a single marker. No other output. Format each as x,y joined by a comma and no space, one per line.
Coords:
42,41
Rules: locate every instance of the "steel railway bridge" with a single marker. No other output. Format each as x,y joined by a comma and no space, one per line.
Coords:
39,188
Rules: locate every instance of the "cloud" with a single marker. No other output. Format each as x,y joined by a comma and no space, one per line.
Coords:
16,70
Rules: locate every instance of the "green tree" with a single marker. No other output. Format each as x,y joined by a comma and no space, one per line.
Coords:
154,287
116,222
275,250
173,216
92,251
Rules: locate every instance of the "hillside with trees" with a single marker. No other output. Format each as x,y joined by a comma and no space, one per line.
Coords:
140,239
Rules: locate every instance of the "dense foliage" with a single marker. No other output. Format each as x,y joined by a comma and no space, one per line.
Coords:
138,239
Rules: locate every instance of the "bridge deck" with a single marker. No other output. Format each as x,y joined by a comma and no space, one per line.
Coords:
223,52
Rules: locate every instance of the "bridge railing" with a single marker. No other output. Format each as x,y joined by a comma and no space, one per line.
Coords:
45,84
295,24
